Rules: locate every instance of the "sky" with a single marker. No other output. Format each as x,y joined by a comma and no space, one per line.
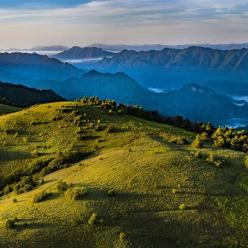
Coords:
28,23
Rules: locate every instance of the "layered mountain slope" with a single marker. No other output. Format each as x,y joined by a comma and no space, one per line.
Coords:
119,87
142,190
26,68
191,101
192,57
201,103
222,70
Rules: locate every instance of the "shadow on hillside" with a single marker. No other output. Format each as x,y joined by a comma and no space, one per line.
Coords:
214,193
171,145
150,225
14,155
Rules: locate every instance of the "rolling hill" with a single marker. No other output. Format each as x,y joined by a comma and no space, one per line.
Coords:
121,181
21,96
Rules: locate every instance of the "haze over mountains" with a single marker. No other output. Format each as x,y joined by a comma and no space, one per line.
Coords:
137,47
223,71
148,47
28,68
191,101
197,79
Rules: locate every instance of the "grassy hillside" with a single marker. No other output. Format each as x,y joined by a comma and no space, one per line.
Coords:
5,109
84,176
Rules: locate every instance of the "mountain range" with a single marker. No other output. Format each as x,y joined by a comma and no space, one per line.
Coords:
191,101
188,58
224,71
148,47
194,101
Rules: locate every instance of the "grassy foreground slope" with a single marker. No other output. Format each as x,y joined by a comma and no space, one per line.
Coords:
140,187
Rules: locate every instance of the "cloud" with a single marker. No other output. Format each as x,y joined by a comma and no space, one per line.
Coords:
160,21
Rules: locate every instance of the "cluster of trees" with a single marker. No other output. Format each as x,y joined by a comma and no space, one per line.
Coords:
221,137
230,138
138,111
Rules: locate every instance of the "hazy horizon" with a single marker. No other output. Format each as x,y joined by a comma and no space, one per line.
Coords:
28,23
118,44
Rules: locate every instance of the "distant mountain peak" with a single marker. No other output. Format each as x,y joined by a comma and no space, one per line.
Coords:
77,52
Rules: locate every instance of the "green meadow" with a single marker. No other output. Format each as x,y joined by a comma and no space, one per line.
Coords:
76,175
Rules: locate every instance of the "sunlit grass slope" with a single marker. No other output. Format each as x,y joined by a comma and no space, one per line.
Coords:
133,186
5,109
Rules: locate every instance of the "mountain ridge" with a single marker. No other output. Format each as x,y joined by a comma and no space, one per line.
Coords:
21,96
83,53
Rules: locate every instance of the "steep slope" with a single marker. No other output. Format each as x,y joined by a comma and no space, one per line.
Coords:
26,68
142,190
192,57
83,53
21,96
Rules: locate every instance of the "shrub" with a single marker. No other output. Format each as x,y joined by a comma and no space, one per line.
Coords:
213,159
76,193
10,224
122,236
35,153
62,186
42,196
14,200
182,207
7,189
219,141
100,127
174,191
111,193
197,143
204,136
93,219
246,162
113,129
64,160
179,141
25,188
197,154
